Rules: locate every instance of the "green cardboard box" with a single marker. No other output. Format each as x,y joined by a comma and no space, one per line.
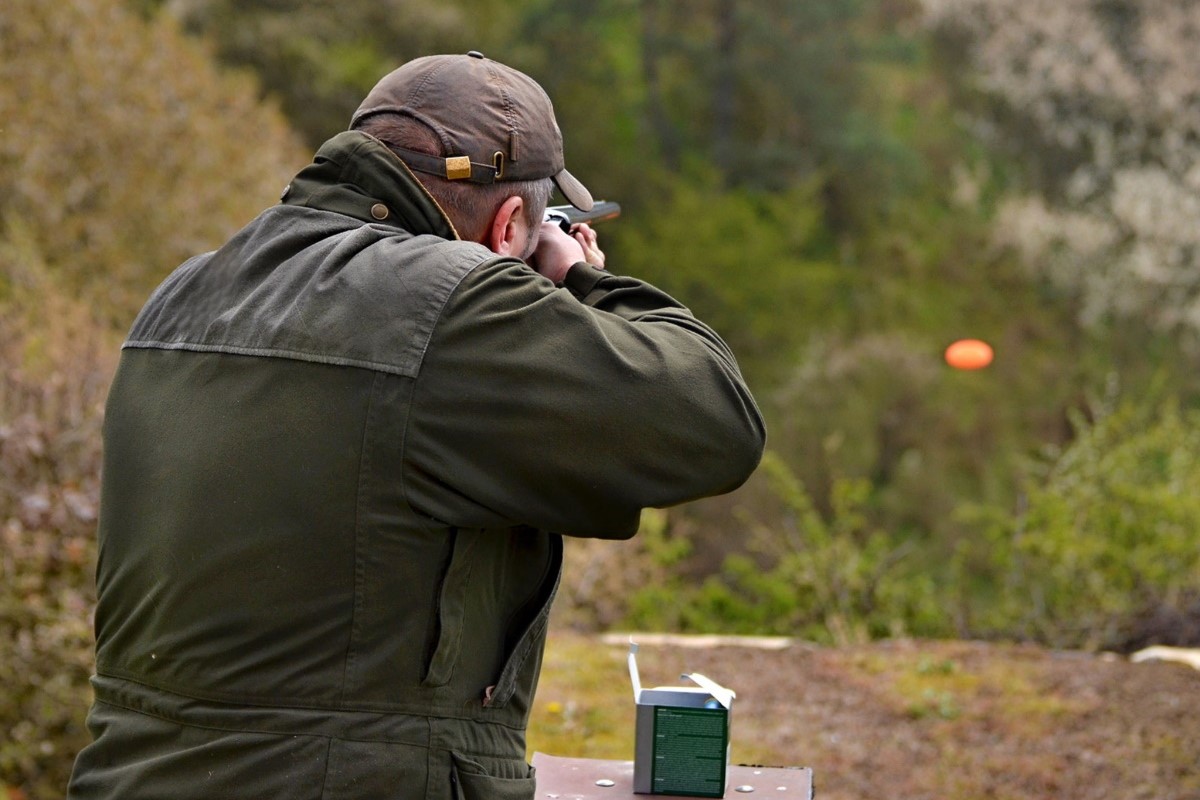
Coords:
681,742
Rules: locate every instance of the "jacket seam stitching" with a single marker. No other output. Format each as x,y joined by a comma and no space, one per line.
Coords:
269,352
359,547
418,369
249,701
325,772
206,726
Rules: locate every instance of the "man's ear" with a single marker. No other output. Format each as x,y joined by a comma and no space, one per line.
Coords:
508,235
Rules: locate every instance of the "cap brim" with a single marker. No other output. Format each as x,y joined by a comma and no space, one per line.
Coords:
575,192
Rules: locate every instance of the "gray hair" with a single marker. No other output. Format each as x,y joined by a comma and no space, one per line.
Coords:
470,206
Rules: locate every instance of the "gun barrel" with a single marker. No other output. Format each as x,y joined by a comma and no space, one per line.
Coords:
566,216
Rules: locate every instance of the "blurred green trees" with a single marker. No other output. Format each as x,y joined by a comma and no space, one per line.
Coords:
318,58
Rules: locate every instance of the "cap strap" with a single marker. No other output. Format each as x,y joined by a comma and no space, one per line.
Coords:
454,168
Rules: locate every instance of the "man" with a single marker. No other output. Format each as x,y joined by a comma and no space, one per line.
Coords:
341,451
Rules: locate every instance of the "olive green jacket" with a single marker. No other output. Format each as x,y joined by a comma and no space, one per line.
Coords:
340,453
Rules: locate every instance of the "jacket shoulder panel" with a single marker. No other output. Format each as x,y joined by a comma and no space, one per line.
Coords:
311,285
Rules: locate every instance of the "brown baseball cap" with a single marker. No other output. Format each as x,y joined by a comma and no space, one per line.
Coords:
497,124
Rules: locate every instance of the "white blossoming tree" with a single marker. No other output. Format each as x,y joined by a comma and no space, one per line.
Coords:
1100,99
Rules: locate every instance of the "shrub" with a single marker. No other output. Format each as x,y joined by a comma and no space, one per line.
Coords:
51,395
1110,529
835,579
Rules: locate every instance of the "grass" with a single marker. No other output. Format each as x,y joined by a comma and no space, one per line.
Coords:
584,706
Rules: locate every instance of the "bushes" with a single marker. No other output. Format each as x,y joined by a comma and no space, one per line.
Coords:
832,580
1106,542
1110,531
51,395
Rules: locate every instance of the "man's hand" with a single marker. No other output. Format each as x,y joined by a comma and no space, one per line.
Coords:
556,251
586,237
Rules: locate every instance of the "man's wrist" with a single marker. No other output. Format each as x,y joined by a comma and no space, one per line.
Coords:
581,279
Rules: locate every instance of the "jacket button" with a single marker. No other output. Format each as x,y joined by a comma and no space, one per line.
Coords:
379,211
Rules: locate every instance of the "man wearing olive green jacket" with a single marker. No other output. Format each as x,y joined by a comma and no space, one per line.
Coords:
341,452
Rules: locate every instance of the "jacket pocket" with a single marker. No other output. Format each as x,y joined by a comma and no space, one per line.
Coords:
451,611
497,779
525,656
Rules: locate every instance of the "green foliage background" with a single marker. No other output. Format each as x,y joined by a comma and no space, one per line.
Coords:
808,177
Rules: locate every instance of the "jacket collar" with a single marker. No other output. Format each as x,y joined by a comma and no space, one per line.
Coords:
356,175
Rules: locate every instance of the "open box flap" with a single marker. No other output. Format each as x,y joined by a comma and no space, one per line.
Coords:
720,693
633,670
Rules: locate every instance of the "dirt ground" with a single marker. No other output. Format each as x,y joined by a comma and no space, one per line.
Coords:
942,720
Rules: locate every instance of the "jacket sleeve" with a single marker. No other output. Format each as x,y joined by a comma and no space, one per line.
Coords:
572,408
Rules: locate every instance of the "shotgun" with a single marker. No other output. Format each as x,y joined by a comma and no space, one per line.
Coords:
566,216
